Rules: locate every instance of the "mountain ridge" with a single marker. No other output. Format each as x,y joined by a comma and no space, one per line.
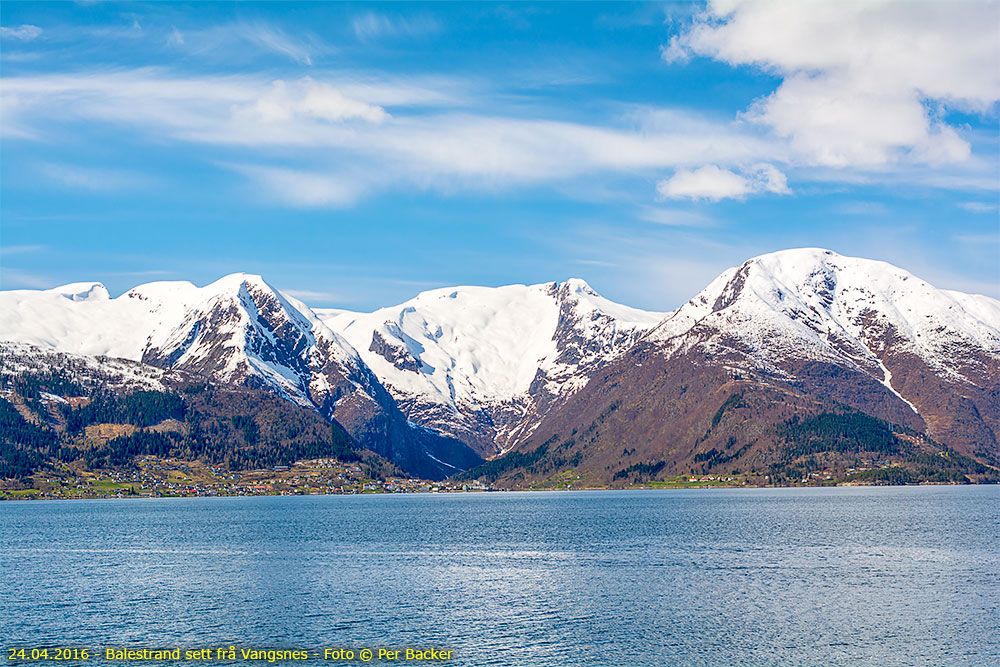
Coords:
456,375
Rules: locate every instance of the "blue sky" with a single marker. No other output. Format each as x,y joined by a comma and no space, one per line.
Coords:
357,154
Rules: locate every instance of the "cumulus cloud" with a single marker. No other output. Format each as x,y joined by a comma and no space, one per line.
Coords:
714,183
709,182
860,78
25,33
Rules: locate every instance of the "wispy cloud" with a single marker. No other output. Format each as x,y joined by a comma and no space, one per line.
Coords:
24,33
313,297
676,217
372,25
594,262
93,178
407,132
304,189
11,278
864,208
21,249
175,38
443,149
232,38
979,239
979,207
276,40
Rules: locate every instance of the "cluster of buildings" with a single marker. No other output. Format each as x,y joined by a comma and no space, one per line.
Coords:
156,477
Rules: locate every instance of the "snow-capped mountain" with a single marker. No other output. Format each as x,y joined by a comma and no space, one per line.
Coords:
813,304
486,364
784,315
776,314
459,374
239,330
794,332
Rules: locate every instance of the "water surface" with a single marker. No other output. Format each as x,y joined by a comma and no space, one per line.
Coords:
869,576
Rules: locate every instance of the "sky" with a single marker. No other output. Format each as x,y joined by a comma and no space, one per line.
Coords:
357,154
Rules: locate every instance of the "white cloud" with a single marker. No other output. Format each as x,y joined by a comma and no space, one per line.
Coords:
25,33
439,136
708,182
309,98
859,77
713,183
767,178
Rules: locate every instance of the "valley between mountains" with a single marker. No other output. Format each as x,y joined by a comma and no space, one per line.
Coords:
796,366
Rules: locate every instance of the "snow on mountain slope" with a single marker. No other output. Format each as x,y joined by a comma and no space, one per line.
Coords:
479,362
485,365
727,379
815,304
244,331
172,323
238,330
860,332
86,370
82,318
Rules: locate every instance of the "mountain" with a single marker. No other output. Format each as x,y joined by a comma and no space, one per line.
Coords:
793,360
237,330
485,365
59,408
726,380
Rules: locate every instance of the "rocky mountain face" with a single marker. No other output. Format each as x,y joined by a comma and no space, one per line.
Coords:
557,372
58,408
788,335
485,365
238,330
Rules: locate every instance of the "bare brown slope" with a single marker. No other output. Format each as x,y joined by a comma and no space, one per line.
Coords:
661,417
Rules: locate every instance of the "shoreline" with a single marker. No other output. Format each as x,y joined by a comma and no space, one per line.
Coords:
35,498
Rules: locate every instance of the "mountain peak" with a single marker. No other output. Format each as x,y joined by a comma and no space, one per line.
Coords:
578,286
803,265
83,291
235,281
